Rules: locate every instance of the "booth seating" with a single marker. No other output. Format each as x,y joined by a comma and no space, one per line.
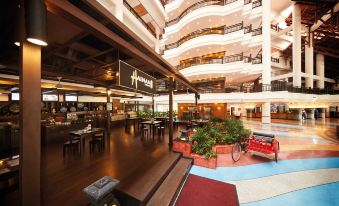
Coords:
101,192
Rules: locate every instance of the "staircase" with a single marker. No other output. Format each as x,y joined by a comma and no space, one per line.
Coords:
167,192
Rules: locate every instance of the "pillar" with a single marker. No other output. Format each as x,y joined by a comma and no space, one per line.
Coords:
266,45
311,116
266,113
309,62
300,114
152,106
322,113
196,106
170,102
296,24
108,112
320,69
157,40
30,123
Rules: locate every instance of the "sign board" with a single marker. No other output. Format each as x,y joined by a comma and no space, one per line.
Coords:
109,106
50,97
132,78
71,98
15,96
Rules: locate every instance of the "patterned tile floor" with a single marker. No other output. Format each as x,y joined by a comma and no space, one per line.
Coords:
307,172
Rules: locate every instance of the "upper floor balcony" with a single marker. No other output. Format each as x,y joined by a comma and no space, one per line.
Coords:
206,9
177,5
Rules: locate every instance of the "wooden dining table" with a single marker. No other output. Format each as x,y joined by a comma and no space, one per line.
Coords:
83,134
152,124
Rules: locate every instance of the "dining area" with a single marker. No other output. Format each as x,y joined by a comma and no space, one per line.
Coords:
76,141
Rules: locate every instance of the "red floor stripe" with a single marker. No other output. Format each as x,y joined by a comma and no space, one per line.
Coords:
225,160
200,191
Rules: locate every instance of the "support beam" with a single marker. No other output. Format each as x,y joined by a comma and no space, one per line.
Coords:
108,113
266,45
320,69
153,106
266,113
170,102
309,61
296,23
30,124
324,18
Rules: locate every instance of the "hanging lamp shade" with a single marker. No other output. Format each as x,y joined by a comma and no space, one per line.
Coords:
35,22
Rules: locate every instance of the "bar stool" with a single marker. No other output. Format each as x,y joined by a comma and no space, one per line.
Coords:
144,131
97,140
71,144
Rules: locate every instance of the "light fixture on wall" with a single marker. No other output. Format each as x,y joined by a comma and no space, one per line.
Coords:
35,22
109,92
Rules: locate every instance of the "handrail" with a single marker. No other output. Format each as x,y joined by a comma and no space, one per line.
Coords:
206,31
130,8
198,5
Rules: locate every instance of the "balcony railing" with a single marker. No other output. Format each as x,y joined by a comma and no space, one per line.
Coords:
198,5
222,30
139,18
248,29
275,87
256,4
257,32
201,32
220,58
274,59
247,2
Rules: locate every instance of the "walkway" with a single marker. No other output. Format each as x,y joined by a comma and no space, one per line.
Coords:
307,172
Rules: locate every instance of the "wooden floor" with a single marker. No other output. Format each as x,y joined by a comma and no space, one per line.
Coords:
137,164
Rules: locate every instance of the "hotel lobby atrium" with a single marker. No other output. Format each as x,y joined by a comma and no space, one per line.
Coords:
169,102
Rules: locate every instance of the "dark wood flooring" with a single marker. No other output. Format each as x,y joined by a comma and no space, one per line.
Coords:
134,162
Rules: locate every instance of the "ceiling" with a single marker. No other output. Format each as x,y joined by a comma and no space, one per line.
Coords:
80,55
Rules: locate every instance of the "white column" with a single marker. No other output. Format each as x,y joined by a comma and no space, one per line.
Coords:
119,9
296,24
266,45
266,113
309,62
322,113
312,114
157,40
320,68
300,114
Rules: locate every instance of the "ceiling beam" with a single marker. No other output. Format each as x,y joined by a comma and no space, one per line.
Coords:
147,55
326,51
324,18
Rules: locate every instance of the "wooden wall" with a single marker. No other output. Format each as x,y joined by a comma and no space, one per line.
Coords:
217,109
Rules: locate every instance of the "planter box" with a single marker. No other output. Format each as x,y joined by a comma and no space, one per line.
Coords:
183,147
282,115
223,149
200,160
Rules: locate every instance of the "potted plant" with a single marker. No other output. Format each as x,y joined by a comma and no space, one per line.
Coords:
203,141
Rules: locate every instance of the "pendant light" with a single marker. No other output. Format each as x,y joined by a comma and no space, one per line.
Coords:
35,22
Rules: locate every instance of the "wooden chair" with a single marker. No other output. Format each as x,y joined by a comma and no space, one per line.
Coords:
71,144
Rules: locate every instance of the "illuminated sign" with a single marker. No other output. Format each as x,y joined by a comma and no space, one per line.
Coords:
71,98
132,78
50,97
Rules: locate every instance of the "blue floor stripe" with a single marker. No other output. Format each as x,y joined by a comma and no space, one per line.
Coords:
322,195
264,169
